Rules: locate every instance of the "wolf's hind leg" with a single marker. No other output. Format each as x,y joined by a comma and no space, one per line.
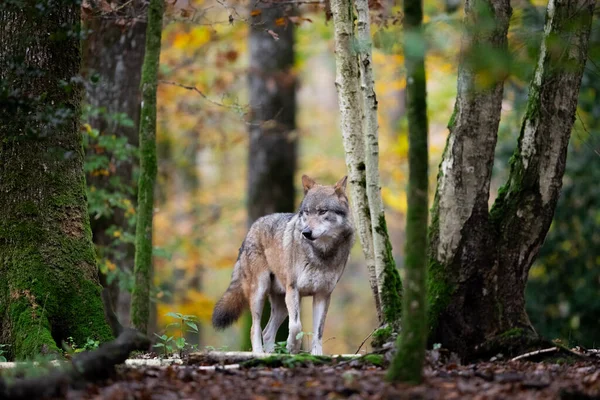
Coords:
278,314
292,302
320,306
257,303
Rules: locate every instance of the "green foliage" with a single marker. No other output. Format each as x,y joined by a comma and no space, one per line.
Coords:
71,348
165,344
562,292
185,324
2,352
105,154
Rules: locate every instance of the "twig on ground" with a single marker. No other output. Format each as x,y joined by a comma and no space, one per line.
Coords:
535,353
363,342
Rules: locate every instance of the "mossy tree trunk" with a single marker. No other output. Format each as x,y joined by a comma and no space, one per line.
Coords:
273,148
114,53
140,303
49,287
480,258
408,362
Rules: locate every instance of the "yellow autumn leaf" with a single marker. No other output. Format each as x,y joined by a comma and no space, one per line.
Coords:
395,201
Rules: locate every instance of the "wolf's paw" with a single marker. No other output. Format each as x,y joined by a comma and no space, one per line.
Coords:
317,351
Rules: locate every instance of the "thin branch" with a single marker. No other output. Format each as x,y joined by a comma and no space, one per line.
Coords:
535,353
365,339
236,107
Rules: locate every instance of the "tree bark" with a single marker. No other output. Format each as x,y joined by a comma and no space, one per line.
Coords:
114,53
389,287
49,288
351,105
525,206
140,304
273,148
273,139
408,362
479,260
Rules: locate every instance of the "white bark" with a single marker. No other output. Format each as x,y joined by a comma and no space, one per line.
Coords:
350,103
466,168
371,139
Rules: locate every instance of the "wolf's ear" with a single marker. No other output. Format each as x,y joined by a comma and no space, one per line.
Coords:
340,186
307,183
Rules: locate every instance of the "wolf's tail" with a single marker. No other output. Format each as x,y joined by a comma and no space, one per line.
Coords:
229,308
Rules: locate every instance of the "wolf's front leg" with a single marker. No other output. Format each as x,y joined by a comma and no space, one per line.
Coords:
292,302
320,306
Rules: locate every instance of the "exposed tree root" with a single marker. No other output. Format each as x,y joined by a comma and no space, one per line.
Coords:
85,367
522,343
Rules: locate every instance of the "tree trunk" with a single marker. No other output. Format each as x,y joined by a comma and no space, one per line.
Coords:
140,304
49,288
408,362
389,287
351,105
273,139
114,53
273,147
479,260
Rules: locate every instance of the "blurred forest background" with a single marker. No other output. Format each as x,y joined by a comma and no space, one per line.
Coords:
204,152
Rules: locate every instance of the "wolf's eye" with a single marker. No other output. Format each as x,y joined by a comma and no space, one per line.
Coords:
322,212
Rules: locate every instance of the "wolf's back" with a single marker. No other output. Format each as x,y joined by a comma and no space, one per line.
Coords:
229,308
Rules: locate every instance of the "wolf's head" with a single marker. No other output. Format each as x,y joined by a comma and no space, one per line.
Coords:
324,212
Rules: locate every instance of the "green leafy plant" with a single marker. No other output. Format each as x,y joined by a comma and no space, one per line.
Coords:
2,352
281,348
184,324
165,343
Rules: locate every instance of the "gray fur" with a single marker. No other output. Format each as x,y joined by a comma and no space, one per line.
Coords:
279,261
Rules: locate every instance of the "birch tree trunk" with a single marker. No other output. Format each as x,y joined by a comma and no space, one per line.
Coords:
408,362
351,110
49,284
480,259
389,286
140,304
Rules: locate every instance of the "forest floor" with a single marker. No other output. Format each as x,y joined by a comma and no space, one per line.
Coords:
558,379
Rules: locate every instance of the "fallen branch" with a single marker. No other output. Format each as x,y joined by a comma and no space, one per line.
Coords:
236,357
363,342
85,367
535,353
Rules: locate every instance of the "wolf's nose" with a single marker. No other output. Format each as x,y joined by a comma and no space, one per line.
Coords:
307,233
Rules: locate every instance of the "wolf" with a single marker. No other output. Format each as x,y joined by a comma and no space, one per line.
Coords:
285,257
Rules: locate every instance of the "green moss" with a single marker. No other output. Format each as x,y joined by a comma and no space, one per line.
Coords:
512,333
31,331
439,289
140,301
49,288
381,336
287,361
452,120
439,292
391,292
373,359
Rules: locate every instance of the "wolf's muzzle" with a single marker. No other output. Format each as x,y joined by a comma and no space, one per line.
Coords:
307,233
